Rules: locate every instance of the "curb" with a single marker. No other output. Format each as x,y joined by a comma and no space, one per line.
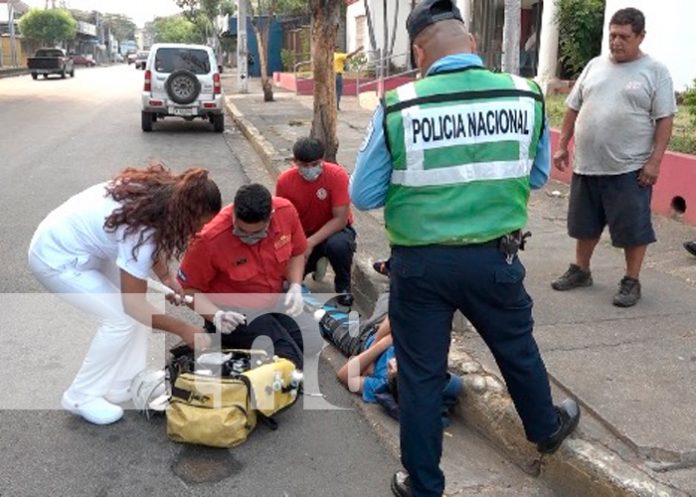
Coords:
578,469
15,71
266,151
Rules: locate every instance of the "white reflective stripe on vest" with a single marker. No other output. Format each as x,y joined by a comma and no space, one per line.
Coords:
466,173
414,157
467,123
523,84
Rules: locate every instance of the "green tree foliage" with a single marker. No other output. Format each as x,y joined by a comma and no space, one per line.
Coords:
689,99
292,7
203,13
580,25
48,26
210,8
176,29
122,27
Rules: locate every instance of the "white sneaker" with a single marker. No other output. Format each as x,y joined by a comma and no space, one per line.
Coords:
95,410
320,270
119,396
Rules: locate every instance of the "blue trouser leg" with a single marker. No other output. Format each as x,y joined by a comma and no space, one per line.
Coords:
427,285
339,90
339,248
421,323
496,303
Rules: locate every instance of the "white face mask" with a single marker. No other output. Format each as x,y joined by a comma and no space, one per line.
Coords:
310,173
250,239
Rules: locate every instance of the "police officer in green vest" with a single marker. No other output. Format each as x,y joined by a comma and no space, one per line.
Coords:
452,157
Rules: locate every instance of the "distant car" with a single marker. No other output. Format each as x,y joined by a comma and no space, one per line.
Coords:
141,59
130,57
84,60
51,61
118,57
182,80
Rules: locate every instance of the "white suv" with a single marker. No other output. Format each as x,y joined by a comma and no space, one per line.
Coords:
182,80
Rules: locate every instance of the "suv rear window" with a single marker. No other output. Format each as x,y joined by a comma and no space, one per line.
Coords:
49,53
169,60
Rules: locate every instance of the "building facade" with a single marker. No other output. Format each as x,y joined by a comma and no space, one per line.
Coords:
670,35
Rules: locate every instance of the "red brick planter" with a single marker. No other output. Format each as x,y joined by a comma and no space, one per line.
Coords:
675,190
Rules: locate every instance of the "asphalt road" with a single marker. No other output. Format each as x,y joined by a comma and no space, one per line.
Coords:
56,138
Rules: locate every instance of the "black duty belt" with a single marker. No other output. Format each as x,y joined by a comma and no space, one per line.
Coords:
509,244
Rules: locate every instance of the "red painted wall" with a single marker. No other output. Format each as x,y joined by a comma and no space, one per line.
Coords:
350,86
677,179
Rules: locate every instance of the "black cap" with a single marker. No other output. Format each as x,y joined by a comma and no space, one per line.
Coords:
428,12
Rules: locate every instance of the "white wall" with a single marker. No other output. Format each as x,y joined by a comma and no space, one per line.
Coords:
670,34
401,43
353,11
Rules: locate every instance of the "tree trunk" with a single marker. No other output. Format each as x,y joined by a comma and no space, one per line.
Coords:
325,18
511,36
261,33
262,42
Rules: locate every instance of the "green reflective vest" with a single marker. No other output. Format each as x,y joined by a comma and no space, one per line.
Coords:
462,145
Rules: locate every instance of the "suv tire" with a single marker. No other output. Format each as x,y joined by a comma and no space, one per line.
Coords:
218,122
183,87
146,119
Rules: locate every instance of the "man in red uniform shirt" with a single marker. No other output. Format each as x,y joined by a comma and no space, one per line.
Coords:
241,260
319,191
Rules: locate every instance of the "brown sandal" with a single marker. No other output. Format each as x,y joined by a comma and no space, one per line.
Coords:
382,267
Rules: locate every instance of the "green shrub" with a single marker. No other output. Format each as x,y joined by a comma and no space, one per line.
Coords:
357,63
287,58
580,26
689,101
555,109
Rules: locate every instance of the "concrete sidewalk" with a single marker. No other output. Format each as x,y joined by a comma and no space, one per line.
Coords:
8,72
629,368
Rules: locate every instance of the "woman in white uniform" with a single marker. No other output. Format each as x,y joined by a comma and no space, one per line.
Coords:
97,250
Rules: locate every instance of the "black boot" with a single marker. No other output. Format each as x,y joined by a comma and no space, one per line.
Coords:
568,418
690,247
401,484
345,298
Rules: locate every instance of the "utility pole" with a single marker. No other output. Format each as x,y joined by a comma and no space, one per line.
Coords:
13,37
511,36
242,50
383,51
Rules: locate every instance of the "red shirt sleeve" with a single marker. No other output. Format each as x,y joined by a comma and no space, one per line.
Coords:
339,195
281,186
299,240
197,269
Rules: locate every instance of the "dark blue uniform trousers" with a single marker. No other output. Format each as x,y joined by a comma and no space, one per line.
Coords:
427,285
339,249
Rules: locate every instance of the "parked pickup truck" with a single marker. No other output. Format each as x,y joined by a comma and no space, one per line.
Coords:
51,61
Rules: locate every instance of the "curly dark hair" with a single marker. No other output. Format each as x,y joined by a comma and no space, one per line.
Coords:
162,206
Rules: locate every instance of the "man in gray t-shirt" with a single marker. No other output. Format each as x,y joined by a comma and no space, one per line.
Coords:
620,111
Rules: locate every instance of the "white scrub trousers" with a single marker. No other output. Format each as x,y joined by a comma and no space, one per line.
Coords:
119,349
